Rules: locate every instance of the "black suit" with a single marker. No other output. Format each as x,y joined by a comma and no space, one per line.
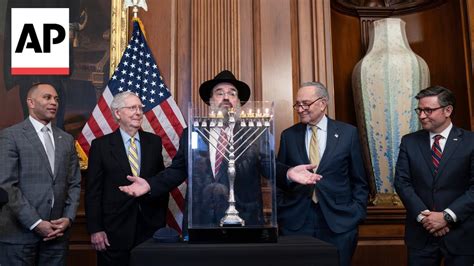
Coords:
452,187
126,220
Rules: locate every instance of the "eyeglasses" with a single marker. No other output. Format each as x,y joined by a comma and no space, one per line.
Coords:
221,94
305,107
427,111
134,108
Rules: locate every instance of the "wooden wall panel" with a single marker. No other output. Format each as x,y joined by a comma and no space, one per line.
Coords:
215,41
276,62
468,17
347,51
441,44
314,57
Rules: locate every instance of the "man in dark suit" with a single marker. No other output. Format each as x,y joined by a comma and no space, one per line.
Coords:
332,209
435,180
40,171
117,222
224,91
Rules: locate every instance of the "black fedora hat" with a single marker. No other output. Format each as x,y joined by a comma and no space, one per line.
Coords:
205,90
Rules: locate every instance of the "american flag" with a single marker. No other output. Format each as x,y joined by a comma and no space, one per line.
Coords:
139,73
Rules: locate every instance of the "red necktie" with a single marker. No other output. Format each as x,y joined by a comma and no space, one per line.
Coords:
221,145
436,153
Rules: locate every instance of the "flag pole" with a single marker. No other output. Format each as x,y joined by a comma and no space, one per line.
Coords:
135,9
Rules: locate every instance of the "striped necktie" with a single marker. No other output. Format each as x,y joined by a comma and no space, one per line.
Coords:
48,146
436,153
133,157
220,151
314,156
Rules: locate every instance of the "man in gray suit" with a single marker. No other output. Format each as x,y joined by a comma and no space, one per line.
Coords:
40,171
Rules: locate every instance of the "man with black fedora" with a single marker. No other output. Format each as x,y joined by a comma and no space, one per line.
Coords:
222,92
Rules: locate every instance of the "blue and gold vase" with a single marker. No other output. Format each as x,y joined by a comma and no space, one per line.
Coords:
385,82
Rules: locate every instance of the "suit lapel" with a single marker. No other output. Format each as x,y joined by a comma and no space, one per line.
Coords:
301,143
59,145
32,137
118,152
452,143
145,153
332,139
425,149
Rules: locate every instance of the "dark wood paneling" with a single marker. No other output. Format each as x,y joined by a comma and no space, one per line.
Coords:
347,51
159,35
440,43
381,238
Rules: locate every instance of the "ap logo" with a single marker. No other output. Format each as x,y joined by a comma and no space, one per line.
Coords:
40,41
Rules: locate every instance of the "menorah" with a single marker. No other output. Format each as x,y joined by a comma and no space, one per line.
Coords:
246,127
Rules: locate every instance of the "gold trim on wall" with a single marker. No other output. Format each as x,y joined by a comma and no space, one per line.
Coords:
118,32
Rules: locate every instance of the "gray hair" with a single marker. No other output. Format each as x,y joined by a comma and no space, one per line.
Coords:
321,90
119,101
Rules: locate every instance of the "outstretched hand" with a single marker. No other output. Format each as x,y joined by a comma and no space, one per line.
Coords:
303,174
138,187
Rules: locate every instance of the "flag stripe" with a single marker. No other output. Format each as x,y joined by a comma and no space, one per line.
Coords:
171,221
178,198
168,111
96,129
158,129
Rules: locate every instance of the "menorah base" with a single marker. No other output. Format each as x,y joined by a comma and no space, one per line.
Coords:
232,220
232,217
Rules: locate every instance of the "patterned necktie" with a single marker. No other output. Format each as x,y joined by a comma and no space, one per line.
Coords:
221,145
48,145
133,157
436,153
314,156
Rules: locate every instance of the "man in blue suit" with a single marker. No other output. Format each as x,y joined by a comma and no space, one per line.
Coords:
331,209
435,180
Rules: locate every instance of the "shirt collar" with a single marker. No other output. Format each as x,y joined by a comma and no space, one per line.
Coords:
38,125
127,137
444,133
322,124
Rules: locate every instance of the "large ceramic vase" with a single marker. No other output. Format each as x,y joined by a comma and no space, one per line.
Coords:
385,82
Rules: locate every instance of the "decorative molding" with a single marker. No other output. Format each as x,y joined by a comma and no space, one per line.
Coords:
119,21
387,200
215,41
370,10
383,8
313,51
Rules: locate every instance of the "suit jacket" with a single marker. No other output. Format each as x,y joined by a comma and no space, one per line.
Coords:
110,210
343,191
452,187
209,193
3,197
26,175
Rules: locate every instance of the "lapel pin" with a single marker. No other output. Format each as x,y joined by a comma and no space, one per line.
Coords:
336,135
455,139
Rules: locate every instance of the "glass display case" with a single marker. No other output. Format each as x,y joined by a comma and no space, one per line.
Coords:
231,185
